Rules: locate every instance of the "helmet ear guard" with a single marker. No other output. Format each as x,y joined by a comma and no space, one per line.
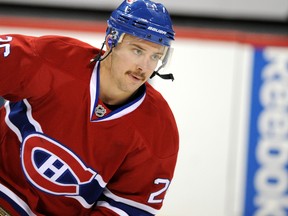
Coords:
112,40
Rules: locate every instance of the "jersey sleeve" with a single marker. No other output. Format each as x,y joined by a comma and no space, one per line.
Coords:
31,66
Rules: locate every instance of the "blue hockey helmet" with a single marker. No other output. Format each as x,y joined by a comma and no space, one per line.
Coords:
141,18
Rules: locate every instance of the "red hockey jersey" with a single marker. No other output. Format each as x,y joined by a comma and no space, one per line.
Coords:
57,157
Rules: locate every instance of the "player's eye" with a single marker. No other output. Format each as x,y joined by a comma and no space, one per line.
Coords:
138,52
156,57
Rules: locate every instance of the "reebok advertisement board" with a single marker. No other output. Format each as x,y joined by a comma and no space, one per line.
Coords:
266,192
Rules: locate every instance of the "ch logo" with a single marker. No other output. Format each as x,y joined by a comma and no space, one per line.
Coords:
56,170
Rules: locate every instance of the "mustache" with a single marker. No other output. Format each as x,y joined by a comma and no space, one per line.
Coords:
137,74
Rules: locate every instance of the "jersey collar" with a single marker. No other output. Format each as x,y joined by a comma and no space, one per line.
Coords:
117,113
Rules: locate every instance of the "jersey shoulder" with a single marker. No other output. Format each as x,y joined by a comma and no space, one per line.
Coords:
157,124
65,52
158,106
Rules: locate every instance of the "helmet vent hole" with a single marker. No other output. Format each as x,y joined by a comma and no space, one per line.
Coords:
122,18
140,24
170,35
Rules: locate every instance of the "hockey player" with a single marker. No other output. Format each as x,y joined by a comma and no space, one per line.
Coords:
82,132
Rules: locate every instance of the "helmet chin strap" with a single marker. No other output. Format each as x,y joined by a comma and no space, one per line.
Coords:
111,46
98,56
163,76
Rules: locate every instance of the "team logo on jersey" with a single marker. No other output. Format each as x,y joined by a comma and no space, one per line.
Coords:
100,111
53,168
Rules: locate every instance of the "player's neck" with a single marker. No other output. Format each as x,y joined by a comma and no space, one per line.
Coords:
109,92
112,99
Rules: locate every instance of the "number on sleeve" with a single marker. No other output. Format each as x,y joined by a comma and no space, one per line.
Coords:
152,198
6,46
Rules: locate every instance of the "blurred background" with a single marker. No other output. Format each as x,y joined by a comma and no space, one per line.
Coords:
229,97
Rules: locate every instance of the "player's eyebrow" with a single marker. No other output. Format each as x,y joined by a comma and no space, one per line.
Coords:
141,48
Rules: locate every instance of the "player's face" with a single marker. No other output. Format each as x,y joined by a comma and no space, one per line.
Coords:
133,62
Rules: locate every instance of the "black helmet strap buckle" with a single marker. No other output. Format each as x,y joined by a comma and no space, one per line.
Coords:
163,76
